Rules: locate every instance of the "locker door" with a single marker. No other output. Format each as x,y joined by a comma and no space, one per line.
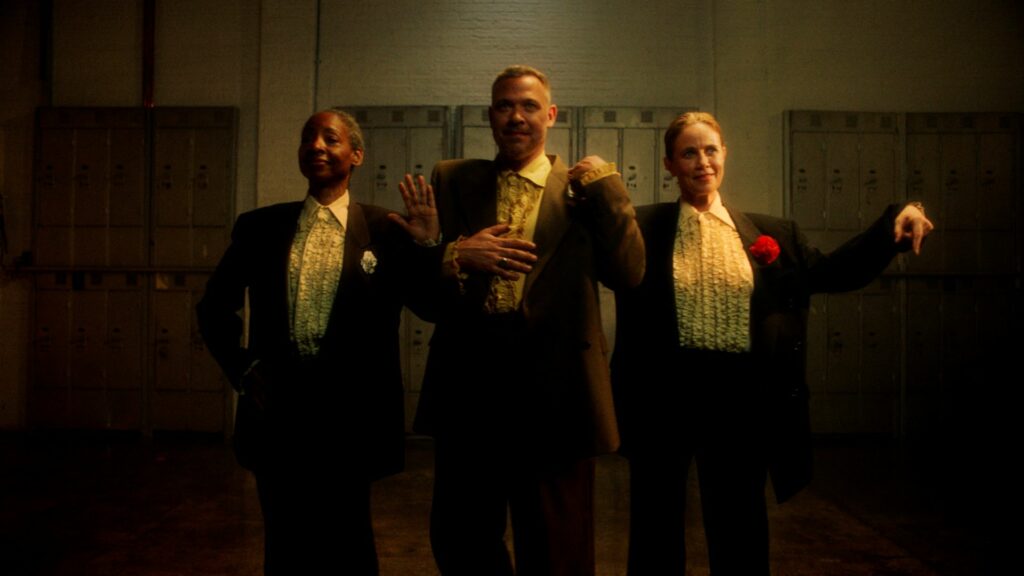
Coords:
91,206
561,136
54,196
842,174
123,354
924,356
880,362
995,201
172,197
809,181
603,142
389,153
211,194
639,160
127,232
188,389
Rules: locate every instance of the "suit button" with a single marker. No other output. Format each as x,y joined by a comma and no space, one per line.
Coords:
798,346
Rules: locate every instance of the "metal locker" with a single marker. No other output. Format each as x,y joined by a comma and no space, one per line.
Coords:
96,209
127,233
639,162
415,340
958,165
996,250
475,137
843,345
90,203
996,182
53,192
880,362
53,245
385,163
50,344
55,176
171,199
90,245
172,176
426,148
921,410
171,246
208,245
924,335
960,250
633,139
127,246
960,333
123,342
561,137
211,175
842,180
171,336
127,177
88,332
877,166
808,181
603,142
398,141
817,332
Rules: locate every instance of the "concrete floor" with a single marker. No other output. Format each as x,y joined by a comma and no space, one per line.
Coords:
99,504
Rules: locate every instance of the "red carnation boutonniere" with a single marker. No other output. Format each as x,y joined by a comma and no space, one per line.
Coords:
764,250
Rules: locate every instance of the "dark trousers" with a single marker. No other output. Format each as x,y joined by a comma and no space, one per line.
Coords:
551,510
314,519
712,412
504,452
316,506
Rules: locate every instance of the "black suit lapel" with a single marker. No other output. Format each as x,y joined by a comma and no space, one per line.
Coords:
279,248
479,199
352,281
660,241
748,235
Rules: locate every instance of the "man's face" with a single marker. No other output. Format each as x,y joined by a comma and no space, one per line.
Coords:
326,156
521,113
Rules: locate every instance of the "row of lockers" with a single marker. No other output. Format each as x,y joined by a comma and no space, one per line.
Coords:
895,357
131,188
412,140
110,347
105,200
844,168
877,355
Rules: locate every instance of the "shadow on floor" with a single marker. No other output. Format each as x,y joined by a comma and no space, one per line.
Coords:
91,504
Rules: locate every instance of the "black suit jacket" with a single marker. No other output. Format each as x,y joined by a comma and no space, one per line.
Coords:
349,398
647,333
562,397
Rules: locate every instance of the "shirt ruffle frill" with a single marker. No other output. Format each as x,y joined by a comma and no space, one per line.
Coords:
713,284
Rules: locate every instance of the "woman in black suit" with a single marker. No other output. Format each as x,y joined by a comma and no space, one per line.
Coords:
709,359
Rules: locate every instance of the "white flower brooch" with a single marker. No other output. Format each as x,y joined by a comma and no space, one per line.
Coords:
368,262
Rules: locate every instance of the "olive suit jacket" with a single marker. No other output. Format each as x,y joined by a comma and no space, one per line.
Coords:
561,396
